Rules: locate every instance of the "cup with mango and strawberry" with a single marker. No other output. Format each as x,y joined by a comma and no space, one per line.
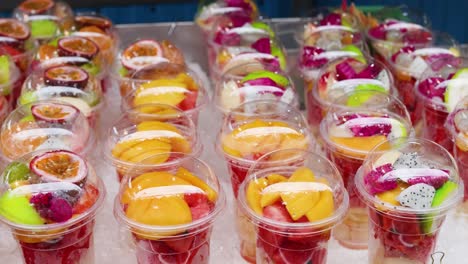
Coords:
358,122
170,209
291,208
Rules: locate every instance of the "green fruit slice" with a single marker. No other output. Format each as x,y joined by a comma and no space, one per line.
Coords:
277,52
354,49
277,78
263,26
443,192
28,97
16,208
91,68
457,88
28,118
398,129
366,92
4,70
16,171
43,28
123,72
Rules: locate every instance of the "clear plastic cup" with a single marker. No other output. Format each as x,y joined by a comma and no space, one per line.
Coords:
184,198
69,84
49,200
349,134
253,82
167,83
257,128
408,189
135,137
332,84
10,81
45,125
438,91
291,208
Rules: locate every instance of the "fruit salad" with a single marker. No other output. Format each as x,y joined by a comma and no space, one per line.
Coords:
391,35
235,90
10,81
408,65
45,125
170,213
133,139
49,200
409,190
245,137
69,84
439,92
343,76
349,134
293,210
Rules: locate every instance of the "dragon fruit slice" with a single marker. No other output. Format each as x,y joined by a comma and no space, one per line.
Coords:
374,186
369,72
418,196
331,19
410,161
308,57
369,126
231,39
430,88
404,50
439,61
261,81
434,181
377,32
262,45
344,71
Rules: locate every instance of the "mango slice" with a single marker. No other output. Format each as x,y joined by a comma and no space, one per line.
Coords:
170,92
360,144
302,174
163,211
275,178
299,203
186,175
156,125
390,196
323,209
254,194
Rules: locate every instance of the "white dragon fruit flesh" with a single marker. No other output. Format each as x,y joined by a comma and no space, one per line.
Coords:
418,196
410,161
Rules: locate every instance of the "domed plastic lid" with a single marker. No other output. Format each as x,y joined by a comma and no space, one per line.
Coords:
184,199
410,179
69,84
45,125
9,74
43,10
209,14
258,85
166,83
94,22
401,32
46,191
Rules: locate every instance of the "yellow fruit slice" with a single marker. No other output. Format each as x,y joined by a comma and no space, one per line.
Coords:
156,156
254,194
188,80
302,174
186,175
360,144
390,196
299,203
323,209
156,125
275,178
181,145
143,147
269,199
170,92
122,146
162,211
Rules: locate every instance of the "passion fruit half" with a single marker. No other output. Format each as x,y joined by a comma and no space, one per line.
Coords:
13,28
34,7
141,53
69,76
77,46
60,166
54,112
89,20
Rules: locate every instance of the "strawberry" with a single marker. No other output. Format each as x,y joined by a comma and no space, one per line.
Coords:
277,212
199,205
194,199
190,101
180,245
87,199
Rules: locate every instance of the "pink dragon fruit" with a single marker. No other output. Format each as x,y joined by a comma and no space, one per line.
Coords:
374,186
369,72
406,49
344,71
429,88
331,19
262,45
434,181
371,130
231,39
308,57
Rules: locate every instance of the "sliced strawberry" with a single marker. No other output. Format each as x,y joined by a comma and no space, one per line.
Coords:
277,212
194,199
199,205
190,101
181,245
87,199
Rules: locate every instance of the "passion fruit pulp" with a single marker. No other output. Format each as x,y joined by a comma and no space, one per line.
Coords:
33,7
77,46
150,50
13,28
69,76
60,166
89,20
54,112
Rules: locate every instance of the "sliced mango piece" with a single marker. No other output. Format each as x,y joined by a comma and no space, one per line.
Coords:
181,145
122,146
323,209
269,198
163,211
362,144
146,146
170,92
188,80
186,175
254,194
302,174
275,178
299,203
156,156
390,196
156,125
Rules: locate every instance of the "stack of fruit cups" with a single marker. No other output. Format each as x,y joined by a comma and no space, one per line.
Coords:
69,84
439,90
343,76
288,209
135,137
350,132
45,125
409,63
170,209
140,54
166,83
10,80
458,131
409,188
49,200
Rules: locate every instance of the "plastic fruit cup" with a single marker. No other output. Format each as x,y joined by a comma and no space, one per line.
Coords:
266,126
293,208
185,200
45,125
332,84
135,137
407,202
68,84
253,82
349,133
50,213
10,81
167,83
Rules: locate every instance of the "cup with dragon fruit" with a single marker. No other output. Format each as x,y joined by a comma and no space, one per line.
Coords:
349,133
256,128
343,76
291,207
248,83
10,80
170,210
142,53
49,200
439,90
69,84
409,189
209,13
45,125
167,83
135,137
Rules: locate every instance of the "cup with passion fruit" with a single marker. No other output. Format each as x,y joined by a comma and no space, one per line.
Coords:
409,189
69,84
135,137
49,200
290,209
358,122
45,125
170,210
